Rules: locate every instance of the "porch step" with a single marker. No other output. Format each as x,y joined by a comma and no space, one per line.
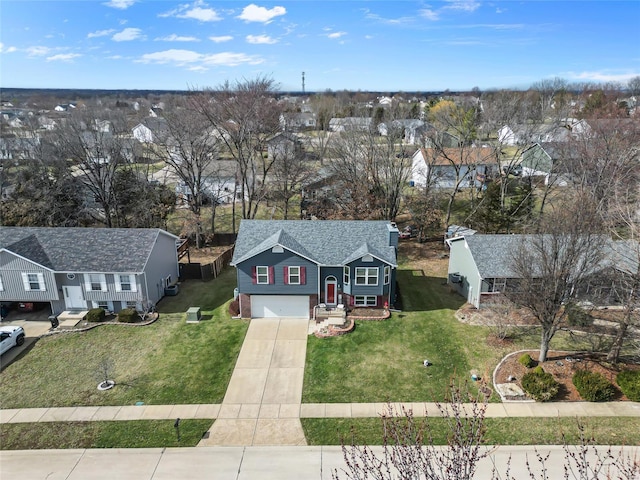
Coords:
71,318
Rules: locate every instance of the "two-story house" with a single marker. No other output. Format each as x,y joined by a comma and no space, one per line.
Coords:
285,268
75,269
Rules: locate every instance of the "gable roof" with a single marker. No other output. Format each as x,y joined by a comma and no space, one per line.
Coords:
82,249
325,242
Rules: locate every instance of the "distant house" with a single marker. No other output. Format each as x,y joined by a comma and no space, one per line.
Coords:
284,143
64,107
296,121
151,130
288,268
546,160
83,268
452,167
363,124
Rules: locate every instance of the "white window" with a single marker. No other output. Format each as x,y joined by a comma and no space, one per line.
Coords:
125,283
33,282
293,276
365,301
262,275
130,304
1,287
366,275
387,275
95,282
346,275
102,304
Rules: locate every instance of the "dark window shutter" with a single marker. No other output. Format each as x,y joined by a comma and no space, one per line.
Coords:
286,275
271,275
303,275
254,275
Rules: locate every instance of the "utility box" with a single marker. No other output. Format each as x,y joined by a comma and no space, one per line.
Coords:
193,315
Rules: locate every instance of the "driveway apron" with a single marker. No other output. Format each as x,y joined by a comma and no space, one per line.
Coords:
262,403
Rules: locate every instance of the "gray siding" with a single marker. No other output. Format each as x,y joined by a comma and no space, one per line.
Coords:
461,261
278,261
11,269
368,289
163,262
111,293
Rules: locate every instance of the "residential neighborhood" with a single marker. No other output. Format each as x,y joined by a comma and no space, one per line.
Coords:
223,278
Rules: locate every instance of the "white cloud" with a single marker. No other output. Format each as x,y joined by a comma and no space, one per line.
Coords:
119,4
602,76
261,39
197,10
63,57
4,49
462,5
38,51
231,59
128,34
177,38
254,13
429,14
197,60
100,33
221,38
336,34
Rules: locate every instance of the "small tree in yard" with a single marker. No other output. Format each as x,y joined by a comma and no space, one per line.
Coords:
104,373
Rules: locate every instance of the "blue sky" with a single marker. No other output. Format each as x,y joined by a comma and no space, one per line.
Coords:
355,45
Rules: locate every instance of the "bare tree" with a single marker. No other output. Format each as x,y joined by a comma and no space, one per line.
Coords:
550,267
244,115
190,150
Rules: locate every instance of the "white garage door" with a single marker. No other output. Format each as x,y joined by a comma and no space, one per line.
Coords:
280,306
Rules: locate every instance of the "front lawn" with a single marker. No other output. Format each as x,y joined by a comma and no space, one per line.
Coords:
167,362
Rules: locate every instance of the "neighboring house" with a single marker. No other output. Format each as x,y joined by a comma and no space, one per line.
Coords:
526,134
407,128
151,130
545,160
286,268
284,144
83,268
295,121
452,167
347,124
480,266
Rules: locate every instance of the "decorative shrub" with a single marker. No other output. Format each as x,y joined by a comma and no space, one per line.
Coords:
527,361
629,383
128,315
542,387
538,369
593,386
234,308
96,315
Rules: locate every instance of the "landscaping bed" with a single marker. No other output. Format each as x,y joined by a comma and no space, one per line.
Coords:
562,365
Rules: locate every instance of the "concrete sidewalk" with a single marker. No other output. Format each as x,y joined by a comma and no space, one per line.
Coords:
240,463
306,410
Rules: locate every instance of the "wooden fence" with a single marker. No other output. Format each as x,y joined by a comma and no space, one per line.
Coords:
207,271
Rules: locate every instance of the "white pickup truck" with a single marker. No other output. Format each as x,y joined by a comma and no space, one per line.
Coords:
10,336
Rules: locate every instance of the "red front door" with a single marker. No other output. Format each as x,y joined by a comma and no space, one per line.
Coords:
331,293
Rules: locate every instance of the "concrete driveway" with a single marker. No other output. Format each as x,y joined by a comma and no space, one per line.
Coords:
35,324
262,403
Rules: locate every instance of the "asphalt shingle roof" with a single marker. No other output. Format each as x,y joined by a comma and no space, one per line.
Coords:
326,242
82,249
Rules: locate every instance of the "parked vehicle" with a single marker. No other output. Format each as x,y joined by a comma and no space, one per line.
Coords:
10,336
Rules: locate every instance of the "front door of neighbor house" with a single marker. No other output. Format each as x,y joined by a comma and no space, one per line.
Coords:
73,298
330,291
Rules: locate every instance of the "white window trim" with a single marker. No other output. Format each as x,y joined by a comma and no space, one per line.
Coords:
365,301
265,275
1,286
131,282
27,283
346,275
387,275
291,275
88,282
367,275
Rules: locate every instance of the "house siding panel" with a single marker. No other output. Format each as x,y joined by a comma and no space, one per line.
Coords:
162,262
12,268
461,262
367,289
278,287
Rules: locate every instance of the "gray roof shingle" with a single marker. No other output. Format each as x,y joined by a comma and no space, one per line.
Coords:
64,249
326,242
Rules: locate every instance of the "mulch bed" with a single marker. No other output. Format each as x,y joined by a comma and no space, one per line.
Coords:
562,365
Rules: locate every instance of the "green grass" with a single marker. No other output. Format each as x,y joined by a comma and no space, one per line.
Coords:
167,362
499,431
129,434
